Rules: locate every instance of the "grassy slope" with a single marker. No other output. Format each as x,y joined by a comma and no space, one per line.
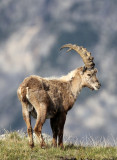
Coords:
16,148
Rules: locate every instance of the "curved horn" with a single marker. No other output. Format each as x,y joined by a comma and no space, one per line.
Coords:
85,55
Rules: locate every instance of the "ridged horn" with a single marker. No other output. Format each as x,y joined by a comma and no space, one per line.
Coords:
85,55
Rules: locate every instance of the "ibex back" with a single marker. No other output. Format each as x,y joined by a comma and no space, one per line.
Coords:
45,98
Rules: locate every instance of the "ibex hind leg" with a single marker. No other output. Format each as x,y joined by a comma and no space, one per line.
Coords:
41,110
39,100
27,119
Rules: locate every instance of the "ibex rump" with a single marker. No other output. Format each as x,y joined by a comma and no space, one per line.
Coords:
52,98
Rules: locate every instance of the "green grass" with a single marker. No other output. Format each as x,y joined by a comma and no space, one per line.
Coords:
13,147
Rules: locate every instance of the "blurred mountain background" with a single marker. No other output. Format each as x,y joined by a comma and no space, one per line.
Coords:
31,33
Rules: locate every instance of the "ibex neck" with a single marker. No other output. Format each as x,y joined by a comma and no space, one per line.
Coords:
76,84
75,79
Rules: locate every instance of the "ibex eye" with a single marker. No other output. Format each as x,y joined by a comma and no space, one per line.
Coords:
89,75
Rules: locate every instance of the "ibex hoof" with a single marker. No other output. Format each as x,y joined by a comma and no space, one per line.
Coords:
43,146
61,146
31,145
54,145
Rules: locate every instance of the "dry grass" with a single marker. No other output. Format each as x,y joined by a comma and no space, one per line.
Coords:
15,147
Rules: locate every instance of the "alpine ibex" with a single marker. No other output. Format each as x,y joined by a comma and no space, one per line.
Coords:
52,98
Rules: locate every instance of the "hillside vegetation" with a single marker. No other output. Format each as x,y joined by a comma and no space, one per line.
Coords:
15,147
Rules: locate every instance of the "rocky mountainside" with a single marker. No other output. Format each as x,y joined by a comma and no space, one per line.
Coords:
31,33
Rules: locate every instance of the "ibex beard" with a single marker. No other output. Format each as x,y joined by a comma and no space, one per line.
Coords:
52,98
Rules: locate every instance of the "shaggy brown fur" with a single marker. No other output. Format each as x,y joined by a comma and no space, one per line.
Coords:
52,98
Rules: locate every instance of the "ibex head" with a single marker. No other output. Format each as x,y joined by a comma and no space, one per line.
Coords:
88,74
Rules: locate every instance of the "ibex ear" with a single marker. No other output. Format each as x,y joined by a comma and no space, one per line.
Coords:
95,70
83,70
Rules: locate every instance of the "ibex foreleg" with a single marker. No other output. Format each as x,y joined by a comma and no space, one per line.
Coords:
57,125
54,126
62,119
